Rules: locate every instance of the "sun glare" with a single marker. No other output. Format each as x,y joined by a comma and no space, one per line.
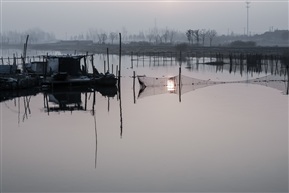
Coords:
171,85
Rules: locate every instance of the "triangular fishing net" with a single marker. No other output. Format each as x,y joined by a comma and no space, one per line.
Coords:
182,84
176,84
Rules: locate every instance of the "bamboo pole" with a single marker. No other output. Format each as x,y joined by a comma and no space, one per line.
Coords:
119,72
119,89
288,79
107,55
24,54
131,58
134,99
180,71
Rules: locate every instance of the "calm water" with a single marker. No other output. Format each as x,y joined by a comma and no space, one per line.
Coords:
222,138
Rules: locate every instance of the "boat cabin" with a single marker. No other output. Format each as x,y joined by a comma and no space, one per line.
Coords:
8,69
71,65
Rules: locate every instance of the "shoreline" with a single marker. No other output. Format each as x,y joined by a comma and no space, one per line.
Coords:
148,49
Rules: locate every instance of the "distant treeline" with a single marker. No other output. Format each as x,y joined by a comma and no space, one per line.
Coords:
156,36
35,36
240,43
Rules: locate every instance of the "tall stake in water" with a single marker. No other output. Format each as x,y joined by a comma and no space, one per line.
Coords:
24,53
247,6
119,71
119,89
180,71
94,116
288,79
107,55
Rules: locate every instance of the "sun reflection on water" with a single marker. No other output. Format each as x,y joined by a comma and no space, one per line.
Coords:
171,87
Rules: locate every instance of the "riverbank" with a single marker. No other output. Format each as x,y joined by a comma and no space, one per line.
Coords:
145,48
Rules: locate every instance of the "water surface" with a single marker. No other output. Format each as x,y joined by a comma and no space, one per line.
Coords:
222,138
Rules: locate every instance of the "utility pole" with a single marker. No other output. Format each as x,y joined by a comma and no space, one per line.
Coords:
247,6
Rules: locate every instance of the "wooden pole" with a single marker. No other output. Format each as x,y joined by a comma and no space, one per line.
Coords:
180,58
287,78
180,70
131,56
119,72
134,100
107,55
108,104
24,54
93,110
119,52
85,103
119,89
14,64
104,67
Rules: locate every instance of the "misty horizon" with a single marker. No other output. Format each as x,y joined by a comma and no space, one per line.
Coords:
69,18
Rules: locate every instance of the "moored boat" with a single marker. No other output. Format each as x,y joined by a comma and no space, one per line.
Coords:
67,71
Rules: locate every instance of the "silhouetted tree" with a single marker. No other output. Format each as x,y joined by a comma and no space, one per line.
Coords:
195,33
112,36
203,34
189,35
211,34
102,38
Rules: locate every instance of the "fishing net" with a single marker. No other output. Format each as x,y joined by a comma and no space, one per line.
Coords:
176,84
182,84
273,81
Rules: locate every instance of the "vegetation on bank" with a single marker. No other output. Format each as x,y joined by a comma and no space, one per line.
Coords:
240,43
155,36
200,41
140,48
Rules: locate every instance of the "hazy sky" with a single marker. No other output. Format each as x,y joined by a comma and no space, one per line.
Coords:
75,17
